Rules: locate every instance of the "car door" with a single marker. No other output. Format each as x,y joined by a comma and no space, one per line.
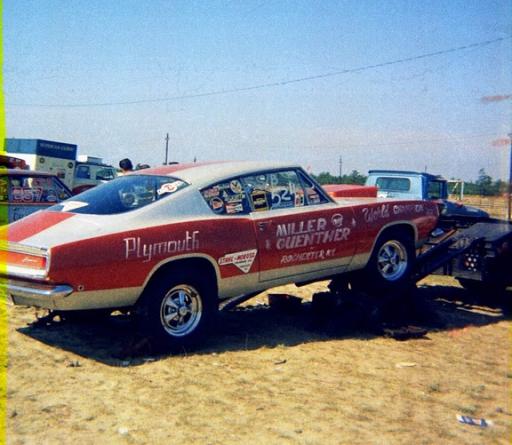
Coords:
300,232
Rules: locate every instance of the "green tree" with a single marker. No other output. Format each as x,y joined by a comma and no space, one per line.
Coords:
485,183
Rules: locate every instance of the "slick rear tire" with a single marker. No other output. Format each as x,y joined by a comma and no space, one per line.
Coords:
177,311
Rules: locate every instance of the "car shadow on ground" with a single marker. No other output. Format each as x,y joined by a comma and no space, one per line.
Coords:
115,340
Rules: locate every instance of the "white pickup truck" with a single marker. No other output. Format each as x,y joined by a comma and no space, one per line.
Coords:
400,184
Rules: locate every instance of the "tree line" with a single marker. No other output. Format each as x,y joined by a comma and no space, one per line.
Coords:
485,185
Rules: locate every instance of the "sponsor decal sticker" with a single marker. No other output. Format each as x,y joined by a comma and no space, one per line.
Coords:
217,205
259,200
243,260
168,188
235,186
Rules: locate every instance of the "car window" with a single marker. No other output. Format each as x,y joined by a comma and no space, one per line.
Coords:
280,190
435,190
29,189
313,194
393,184
227,198
122,195
83,172
105,174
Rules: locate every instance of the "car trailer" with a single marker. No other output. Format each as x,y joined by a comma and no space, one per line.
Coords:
478,256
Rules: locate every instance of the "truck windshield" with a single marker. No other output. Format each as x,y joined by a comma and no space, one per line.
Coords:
122,195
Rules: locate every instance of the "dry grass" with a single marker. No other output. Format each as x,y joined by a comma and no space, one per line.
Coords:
496,206
268,377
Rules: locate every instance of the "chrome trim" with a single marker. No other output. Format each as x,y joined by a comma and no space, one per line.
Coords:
22,248
37,291
25,272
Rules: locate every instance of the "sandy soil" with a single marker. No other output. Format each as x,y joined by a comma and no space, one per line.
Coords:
289,375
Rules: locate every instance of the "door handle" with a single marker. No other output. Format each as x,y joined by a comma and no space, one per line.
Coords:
262,225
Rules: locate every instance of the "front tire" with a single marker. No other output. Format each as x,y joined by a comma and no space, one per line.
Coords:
176,312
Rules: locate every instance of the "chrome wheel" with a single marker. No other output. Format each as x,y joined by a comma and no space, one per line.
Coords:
181,310
392,260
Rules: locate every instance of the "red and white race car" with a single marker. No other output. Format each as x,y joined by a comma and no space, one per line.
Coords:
173,242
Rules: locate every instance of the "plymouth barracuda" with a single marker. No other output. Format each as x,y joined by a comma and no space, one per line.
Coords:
171,243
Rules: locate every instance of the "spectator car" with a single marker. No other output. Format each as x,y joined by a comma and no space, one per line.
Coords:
172,242
23,192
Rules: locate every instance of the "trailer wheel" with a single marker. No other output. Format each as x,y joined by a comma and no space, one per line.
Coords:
176,312
391,264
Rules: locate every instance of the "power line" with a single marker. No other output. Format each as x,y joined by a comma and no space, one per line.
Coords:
271,84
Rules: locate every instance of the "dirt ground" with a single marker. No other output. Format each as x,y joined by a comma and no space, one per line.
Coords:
294,374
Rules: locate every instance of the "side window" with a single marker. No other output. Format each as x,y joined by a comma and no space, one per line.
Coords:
281,190
227,198
105,174
82,172
313,195
435,189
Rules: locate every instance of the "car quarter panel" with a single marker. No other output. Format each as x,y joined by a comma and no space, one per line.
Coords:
128,259
377,215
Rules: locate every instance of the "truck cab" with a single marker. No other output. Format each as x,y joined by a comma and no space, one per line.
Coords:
402,184
89,172
407,184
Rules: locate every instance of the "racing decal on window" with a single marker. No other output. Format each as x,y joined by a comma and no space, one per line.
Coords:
226,198
259,200
235,186
212,192
170,187
234,207
217,204
243,260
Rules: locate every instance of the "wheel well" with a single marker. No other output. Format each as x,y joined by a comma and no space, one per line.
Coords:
204,269
406,229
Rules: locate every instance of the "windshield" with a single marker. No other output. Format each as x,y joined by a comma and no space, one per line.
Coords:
122,195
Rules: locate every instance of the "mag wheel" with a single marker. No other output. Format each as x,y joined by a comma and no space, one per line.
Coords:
181,310
391,264
177,312
392,260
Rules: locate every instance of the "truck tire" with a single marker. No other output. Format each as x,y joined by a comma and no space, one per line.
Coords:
391,265
175,312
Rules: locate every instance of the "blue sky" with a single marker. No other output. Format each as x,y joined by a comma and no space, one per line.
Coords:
115,77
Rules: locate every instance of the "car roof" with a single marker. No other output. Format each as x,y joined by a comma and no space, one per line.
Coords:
20,172
204,173
406,172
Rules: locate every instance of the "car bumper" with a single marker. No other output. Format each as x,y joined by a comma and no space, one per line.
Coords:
36,294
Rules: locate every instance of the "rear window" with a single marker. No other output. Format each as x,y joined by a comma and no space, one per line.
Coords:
122,195
393,184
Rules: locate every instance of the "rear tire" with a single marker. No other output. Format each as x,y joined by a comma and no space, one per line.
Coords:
176,312
391,264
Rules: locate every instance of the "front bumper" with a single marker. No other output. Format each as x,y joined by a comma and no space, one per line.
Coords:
26,293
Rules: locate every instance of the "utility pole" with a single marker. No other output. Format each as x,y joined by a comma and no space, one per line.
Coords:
166,148
341,166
